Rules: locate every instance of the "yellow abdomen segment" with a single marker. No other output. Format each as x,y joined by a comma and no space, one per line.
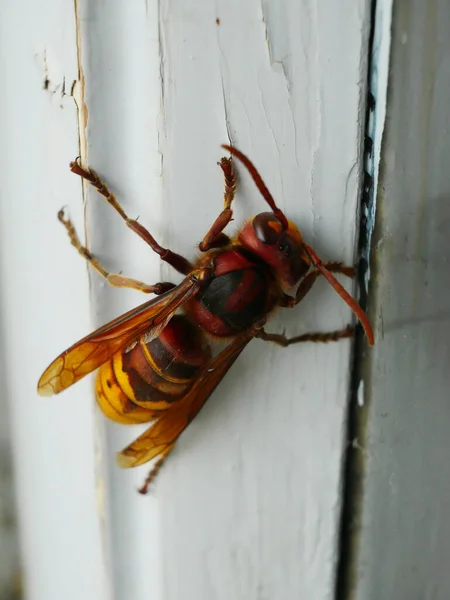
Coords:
114,403
135,385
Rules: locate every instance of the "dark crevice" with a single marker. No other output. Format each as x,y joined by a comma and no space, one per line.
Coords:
353,467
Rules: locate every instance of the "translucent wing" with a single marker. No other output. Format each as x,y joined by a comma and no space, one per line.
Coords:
98,347
165,431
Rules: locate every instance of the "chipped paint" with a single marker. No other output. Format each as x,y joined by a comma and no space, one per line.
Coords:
360,393
378,88
54,82
78,92
162,126
224,93
279,66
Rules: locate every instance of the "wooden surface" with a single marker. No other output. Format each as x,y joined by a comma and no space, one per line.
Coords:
45,306
248,505
403,542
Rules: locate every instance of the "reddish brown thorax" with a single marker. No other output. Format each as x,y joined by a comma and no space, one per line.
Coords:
280,248
239,294
265,259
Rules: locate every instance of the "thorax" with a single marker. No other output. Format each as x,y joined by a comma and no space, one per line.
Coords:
241,292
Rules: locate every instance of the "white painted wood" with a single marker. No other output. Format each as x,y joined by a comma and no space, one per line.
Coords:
248,504
247,507
405,531
44,298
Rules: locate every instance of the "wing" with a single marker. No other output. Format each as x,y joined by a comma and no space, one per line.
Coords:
166,430
98,347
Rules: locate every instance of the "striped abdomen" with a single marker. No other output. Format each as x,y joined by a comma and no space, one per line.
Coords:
137,383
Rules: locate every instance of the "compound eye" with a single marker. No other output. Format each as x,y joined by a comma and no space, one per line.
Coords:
267,228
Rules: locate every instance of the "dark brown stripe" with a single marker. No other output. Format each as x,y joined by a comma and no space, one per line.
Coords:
134,365
167,363
128,405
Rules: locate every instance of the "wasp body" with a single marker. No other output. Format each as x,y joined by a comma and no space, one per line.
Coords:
155,362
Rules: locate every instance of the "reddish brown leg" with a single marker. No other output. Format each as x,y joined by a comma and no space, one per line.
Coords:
178,262
154,472
310,278
112,278
215,238
282,340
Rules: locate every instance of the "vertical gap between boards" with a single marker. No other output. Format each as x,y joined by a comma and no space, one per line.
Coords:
354,461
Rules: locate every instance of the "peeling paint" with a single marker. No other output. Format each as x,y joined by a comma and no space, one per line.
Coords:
49,85
266,29
280,66
225,108
78,91
224,95
162,61
274,137
46,82
360,393
378,88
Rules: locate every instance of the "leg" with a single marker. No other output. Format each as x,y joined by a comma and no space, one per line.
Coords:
178,262
154,472
215,238
112,278
310,278
282,340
